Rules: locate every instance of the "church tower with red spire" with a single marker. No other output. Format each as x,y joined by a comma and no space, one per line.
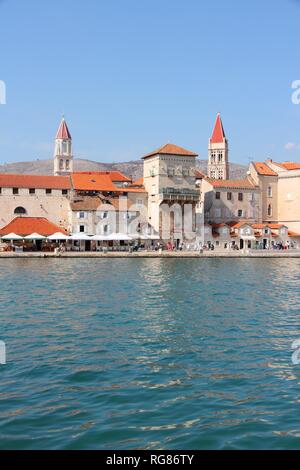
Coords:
63,158
218,167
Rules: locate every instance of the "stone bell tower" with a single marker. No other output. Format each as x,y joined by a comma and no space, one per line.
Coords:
218,167
63,158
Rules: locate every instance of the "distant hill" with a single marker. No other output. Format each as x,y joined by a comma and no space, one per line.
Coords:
132,169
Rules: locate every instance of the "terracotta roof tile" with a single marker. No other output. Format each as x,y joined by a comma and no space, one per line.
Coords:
100,181
293,234
34,181
238,184
24,226
115,176
263,169
171,149
199,174
290,165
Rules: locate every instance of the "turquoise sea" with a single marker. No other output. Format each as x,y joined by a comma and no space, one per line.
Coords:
149,354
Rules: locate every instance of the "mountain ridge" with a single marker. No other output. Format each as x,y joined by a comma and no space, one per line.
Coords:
133,168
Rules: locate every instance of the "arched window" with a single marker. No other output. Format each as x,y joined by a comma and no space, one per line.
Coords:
61,164
269,210
20,211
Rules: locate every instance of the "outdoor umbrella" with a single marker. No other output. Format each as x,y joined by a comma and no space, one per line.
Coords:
35,236
99,238
58,236
118,237
12,236
80,236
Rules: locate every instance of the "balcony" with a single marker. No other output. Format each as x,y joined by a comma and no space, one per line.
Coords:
182,194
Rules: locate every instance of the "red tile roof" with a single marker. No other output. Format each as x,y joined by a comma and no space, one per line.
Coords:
63,131
199,175
238,184
293,234
263,169
92,181
171,149
100,181
139,182
114,175
218,135
24,226
34,181
290,165
271,226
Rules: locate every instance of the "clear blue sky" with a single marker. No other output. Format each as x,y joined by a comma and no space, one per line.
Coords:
131,75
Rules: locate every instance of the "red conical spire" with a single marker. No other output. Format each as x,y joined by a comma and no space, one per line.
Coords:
218,135
63,131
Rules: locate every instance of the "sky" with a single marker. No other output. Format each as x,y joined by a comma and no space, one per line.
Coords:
132,75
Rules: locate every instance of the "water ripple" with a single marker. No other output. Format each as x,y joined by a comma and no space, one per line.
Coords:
149,354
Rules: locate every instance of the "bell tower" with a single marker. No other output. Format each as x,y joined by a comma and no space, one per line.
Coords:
63,158
218,167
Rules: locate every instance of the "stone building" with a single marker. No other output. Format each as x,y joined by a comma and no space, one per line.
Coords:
169,179
279,184
34,196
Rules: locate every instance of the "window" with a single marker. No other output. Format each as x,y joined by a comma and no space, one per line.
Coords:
240,213
20,210
269,191
218,195
61,164
240,196
213,157
266,231
270,210
220,157
31,190
65,146
213,174
229,196
81,215
139,203
15,190
220,174
67,164
64,192
48,191
81,228
0,190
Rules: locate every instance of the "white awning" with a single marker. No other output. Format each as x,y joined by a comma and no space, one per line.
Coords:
80,236
99,238
12,236
118,237
58,236
248,237
35,236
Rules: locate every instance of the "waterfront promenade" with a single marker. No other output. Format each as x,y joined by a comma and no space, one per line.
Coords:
156,254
